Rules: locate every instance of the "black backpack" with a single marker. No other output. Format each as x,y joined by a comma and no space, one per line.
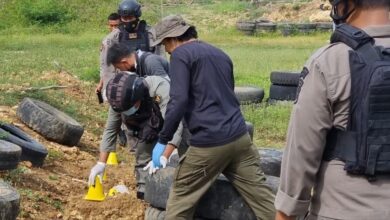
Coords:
365,145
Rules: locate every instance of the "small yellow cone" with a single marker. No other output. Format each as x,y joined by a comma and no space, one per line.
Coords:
95,193
112,192
112,159
105,175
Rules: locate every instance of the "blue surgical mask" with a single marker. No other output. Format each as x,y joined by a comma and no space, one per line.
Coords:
130,111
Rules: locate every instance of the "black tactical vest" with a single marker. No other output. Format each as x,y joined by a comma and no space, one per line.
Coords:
147,122
137,40
365,145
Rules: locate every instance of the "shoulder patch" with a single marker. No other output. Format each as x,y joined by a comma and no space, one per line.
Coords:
302,77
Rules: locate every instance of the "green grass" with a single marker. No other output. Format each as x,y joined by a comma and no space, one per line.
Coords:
29,52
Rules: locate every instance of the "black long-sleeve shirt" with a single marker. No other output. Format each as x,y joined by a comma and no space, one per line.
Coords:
202,90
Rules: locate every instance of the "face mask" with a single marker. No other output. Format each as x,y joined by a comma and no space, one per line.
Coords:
131,111
131,26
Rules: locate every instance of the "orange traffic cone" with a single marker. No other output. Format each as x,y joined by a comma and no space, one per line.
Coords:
95,193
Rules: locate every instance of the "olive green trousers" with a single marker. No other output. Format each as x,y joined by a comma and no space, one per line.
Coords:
198,169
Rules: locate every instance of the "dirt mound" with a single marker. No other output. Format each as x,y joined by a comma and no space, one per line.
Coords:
57,190
299,12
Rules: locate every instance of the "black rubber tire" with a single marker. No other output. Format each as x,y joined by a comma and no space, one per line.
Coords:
286,29
324,26
249,94
50,122
263,27
249,127
152,213
301,26
273,183
306,28
247,27
9,202
9,155
285,78
270,161
218,197
222,199
281,93
31,149
157,187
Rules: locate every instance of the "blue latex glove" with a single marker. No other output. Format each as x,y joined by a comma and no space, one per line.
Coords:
158,151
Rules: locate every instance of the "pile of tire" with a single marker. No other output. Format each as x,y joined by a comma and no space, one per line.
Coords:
29,149
264,26
324,26
221,201
306,28
9,202
286,29
246,27
250,27
9,198
284,86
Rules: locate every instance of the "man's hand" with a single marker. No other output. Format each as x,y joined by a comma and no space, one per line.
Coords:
158,151
97,170
99,87
281,216
153,168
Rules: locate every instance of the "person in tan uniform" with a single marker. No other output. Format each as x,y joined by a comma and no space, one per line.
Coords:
107,71
309,184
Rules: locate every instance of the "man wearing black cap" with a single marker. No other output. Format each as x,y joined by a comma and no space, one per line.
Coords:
202,92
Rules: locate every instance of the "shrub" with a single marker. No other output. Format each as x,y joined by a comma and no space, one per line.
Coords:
44,12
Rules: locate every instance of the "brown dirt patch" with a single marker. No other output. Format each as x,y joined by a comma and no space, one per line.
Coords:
299,12
57,190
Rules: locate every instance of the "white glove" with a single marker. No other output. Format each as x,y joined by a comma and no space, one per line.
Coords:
97,170
163,161
152,168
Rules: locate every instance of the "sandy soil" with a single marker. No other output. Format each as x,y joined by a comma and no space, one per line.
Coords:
57,190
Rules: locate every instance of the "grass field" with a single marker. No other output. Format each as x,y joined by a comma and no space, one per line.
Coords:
26,55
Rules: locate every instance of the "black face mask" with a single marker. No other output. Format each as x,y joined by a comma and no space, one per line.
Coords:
131,26
338,19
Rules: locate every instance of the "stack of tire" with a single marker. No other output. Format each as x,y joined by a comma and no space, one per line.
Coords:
259,26
324,26
306,28
9,202
9,198
284,86
286,29
221,201
246,27
264,26
30,150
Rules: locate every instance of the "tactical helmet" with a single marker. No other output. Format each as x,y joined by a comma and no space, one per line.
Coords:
130,8
124,90
340,18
